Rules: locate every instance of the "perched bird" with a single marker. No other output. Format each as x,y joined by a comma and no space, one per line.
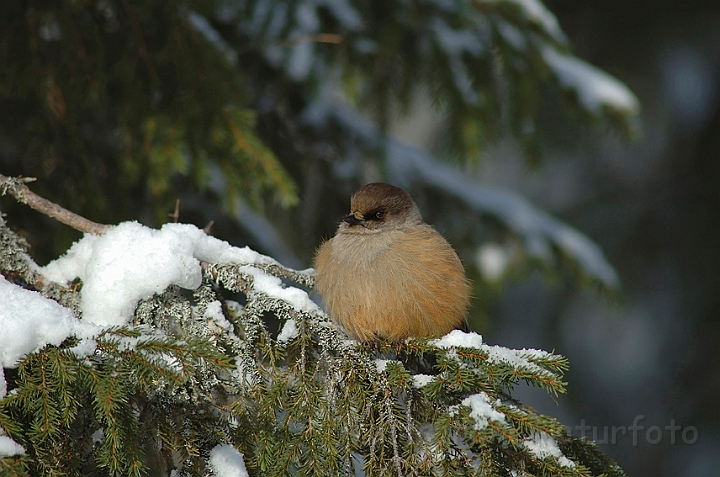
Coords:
386,274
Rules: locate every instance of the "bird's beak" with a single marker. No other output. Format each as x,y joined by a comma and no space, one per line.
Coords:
353,219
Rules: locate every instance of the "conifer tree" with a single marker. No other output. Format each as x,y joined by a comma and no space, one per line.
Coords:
158,388
120,106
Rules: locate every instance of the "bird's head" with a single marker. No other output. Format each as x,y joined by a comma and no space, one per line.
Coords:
377,207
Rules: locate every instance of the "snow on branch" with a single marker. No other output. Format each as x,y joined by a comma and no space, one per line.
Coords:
131,262
173,346
595,88
539,230
534,12
535,364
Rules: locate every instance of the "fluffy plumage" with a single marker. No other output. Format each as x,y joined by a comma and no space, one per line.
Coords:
388,275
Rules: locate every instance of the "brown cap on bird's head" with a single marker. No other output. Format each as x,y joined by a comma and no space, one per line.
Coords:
378,206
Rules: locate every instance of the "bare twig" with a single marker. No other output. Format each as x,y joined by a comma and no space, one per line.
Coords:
208,227
319,38
16,187
176,215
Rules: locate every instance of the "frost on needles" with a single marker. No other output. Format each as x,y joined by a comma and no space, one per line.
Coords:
170,352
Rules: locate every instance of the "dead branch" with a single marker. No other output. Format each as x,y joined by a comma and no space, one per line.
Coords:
15,186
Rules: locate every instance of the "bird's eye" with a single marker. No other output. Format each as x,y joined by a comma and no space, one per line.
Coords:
379,215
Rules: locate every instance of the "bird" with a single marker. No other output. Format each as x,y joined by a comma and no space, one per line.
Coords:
387,275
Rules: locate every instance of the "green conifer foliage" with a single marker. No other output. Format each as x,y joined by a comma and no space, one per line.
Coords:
120,106
280,383
129,93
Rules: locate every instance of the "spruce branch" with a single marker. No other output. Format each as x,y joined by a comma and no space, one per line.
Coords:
197,369
15,262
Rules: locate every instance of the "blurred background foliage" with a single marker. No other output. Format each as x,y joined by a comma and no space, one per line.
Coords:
263,116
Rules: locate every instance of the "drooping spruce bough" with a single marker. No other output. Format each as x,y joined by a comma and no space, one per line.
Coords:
243,360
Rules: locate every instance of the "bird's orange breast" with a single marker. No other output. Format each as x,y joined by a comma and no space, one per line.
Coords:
392,285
